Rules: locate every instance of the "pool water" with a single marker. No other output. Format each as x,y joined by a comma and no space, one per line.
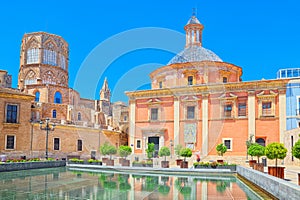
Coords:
61,183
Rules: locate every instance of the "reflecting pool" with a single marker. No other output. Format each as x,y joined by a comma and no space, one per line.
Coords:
61,183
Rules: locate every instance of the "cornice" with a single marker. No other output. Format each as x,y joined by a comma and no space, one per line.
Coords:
210,89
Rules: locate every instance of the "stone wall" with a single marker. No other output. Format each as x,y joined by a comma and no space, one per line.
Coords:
275,186
5,167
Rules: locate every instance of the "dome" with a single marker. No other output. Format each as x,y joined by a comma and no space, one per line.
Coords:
193,20
194,54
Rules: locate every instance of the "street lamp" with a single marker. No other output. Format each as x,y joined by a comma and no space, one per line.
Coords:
47,129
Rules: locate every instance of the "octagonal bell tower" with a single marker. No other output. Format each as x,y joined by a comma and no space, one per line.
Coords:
43,60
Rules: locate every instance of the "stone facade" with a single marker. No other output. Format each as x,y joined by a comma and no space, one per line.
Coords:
199,101
82,125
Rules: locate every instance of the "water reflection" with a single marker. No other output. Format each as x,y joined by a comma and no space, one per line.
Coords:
59,183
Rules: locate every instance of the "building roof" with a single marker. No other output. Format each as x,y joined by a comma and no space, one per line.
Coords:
194,54
193,20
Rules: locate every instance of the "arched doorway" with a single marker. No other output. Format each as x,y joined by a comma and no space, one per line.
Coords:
261,141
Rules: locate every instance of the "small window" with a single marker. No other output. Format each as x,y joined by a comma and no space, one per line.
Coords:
138,144
242,109
125,118
53,113
228,143
79,145
56,144
227,110
37,97
190,80
266,108
225,80
79,116
190,112
261,141
11,113
154,114
57,97
160,84
10,142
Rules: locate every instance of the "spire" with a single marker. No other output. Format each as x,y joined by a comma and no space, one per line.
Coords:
105,85
105,92
193,31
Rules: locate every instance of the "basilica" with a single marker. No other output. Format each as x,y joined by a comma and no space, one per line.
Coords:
198,101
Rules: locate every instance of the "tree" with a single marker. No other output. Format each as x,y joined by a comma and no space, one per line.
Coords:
177,150
108,149
164,151
186,152
276,151
125,151
256,150
296,149
221,149
150,150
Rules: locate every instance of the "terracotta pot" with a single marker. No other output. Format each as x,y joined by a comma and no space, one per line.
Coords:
184,164
165,164
276,171
178,162
251,163
220,161
258,167
125,163
110,163
121,160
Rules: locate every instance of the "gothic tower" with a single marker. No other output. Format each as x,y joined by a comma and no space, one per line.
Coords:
44,73
105,104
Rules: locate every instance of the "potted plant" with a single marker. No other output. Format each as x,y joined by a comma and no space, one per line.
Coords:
150,150
164,151
221,149
177,152
94,162
257,150
296,153
185,152
276,151
125,151
108,149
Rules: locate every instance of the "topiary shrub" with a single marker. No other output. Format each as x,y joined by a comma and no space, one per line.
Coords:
164,151
221,149
276,151
186,152
256,150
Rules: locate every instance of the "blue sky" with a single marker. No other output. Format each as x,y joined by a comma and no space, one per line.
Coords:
259,36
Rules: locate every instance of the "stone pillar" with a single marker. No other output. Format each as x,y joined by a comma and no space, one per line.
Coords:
204,124
251,114
176,120
132,124
282,114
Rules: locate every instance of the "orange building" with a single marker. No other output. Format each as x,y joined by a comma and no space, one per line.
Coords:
199,101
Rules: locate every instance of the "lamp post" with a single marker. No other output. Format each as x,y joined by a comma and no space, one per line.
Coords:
47,129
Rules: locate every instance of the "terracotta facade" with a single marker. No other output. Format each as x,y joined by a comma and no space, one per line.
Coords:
199,101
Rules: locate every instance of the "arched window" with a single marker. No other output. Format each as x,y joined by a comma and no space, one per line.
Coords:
33,56
37,96
261,141
49,57
53,113
57,97
79,116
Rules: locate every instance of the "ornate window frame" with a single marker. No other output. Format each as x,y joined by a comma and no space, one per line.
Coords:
226,100
265,98
190,101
